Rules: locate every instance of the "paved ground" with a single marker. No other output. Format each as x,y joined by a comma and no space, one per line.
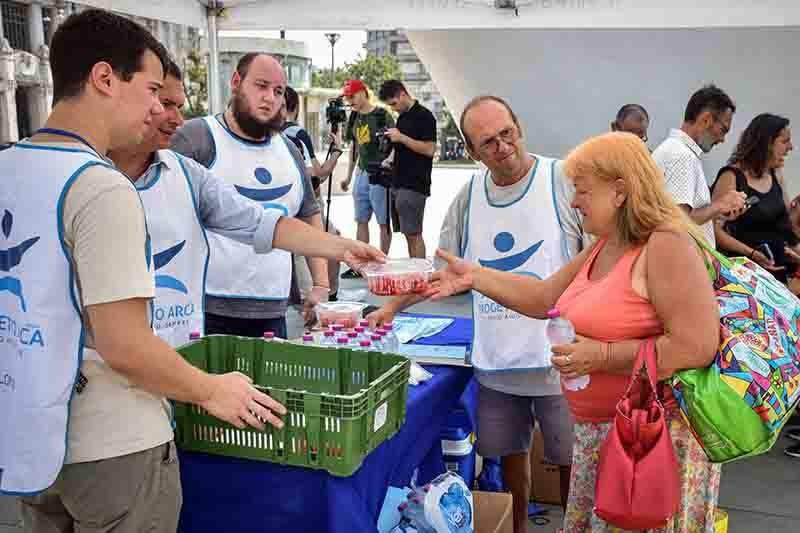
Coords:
761,495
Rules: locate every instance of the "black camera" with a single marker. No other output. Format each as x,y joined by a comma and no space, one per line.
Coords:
384,142
336,113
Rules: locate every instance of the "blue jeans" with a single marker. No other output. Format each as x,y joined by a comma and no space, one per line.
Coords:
368,199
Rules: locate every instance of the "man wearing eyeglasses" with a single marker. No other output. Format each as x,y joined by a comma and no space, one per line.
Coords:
706,122
515,216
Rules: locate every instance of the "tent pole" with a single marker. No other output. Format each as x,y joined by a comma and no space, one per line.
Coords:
213,61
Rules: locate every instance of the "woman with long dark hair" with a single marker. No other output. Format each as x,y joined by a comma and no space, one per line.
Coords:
763,233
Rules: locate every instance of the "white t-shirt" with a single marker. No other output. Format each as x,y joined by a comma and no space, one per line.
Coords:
679,158
104,232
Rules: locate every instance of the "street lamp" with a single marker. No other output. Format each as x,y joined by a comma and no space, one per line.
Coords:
332,38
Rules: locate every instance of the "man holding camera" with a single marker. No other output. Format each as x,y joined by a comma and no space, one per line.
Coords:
414,141
370,192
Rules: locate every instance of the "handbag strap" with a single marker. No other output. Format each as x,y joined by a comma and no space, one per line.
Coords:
646,358
707,250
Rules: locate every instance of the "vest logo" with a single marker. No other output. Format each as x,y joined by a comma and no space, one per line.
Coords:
161,260
10,258
265,196
504,242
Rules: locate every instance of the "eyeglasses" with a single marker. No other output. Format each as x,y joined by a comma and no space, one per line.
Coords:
492,144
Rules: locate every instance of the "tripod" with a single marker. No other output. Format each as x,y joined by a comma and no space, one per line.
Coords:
329,178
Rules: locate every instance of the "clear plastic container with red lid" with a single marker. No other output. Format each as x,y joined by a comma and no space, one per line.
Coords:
345,314
399,276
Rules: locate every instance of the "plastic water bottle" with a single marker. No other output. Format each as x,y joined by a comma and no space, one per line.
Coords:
194,336
352,339
328,339
365,346
561,331
269,336
391,340
308,340
377,342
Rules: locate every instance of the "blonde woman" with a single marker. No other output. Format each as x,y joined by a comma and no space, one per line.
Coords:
644,277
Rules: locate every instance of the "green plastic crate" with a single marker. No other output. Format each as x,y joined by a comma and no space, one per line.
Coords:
341,403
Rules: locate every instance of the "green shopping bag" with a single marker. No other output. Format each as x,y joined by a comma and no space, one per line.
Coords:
737,406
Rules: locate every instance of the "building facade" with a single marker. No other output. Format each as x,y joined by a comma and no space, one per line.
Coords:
26,85
415,75
293,55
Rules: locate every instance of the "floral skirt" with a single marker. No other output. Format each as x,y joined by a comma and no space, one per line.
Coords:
698,477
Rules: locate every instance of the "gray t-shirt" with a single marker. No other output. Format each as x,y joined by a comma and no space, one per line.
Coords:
194,140
451,240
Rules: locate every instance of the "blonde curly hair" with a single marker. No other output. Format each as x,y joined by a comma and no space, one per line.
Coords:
648,206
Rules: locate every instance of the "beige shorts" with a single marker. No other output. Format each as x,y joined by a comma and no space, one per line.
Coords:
128,494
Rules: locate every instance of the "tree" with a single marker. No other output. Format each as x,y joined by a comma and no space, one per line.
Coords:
196,85
371,69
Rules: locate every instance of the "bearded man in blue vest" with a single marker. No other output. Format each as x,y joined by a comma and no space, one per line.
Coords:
248,293
182,199
514,215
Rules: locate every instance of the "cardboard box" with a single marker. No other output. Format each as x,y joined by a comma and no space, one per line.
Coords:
545,478
493,512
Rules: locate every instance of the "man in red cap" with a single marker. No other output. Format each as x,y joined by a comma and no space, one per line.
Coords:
370,192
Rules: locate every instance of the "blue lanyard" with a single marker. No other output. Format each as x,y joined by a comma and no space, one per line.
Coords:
65,133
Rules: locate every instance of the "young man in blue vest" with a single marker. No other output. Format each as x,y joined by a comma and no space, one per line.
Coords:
248,293
514,215
95,452
182,199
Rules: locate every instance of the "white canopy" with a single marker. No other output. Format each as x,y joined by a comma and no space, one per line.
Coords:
455,14
588,56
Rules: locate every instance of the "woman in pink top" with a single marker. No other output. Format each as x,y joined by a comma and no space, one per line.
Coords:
644,277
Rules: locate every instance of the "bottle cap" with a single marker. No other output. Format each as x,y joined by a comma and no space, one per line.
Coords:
365,344
329,333
193,336
342,340
269,335
308,338
352,334
375,337
553,313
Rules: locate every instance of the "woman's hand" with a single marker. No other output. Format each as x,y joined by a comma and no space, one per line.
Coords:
792,254
764,261
455,278
584,356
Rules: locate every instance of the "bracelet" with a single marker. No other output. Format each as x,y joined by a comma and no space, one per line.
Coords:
605,352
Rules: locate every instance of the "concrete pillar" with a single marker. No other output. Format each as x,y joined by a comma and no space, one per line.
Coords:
41,96
52,14
38,101
35,26
8,91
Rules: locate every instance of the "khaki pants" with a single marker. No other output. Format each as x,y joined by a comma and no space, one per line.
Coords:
135,493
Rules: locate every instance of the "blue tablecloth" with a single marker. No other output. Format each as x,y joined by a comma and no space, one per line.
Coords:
222,494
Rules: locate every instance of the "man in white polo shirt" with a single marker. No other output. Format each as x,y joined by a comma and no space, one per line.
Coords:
706,122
